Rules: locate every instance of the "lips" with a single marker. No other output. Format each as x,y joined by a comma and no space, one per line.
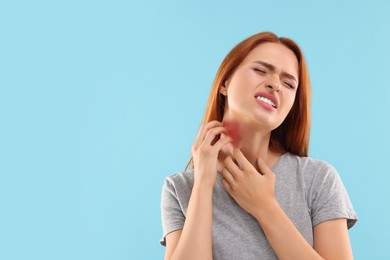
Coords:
268,96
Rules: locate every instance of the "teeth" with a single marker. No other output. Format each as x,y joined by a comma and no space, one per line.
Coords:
266,100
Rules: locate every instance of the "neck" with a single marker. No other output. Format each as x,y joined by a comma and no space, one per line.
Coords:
254,142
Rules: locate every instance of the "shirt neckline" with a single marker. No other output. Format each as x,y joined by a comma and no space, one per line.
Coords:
273,167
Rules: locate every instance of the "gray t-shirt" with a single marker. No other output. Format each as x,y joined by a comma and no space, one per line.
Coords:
309,191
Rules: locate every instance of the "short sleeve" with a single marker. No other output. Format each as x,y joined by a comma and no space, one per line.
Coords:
330,199
172,216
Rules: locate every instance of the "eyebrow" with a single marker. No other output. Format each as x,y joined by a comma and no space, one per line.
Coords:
272,68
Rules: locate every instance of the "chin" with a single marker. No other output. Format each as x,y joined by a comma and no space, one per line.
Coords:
263,125
265,121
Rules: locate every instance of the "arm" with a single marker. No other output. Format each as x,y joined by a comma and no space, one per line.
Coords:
281,233
331,240
254,192
171,242
195,240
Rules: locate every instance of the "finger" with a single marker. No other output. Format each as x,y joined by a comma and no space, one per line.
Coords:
222,142
203,131
243,163
205,128
228,149
220,166
263,167
232,167
212,133
228,177
226,185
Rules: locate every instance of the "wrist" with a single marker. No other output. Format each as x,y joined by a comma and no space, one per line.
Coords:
202,188
267,211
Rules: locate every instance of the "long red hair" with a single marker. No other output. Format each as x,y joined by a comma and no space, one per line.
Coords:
293,135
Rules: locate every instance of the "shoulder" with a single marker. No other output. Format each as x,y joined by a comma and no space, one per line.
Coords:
312,172
307,162
309,166
180,181
180,177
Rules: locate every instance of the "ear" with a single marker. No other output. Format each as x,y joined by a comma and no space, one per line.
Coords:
223,90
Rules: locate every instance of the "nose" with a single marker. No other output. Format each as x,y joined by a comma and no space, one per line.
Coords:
274,85
273,82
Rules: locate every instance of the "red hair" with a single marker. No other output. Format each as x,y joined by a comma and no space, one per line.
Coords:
293,135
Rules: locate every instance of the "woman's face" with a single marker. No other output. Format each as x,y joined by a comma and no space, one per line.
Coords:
262,89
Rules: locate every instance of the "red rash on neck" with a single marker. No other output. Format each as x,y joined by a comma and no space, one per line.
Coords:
233,131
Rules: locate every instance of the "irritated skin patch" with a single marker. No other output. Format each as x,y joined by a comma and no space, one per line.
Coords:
233,131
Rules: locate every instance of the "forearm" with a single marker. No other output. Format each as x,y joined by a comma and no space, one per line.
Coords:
283,236
195,240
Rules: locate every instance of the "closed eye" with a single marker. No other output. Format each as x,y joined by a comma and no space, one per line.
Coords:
259,70
290,85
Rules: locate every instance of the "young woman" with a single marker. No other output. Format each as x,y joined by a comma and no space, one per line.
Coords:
251,191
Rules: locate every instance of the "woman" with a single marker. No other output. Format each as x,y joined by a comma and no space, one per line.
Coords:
252,191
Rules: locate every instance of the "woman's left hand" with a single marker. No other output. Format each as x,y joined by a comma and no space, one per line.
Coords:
254,191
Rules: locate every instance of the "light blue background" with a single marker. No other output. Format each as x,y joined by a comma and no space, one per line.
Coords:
100,100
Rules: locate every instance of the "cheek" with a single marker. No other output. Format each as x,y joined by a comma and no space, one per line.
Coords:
289,102
292,99
255,79
246,80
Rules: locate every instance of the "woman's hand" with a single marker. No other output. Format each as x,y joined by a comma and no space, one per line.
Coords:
205,152
254,191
